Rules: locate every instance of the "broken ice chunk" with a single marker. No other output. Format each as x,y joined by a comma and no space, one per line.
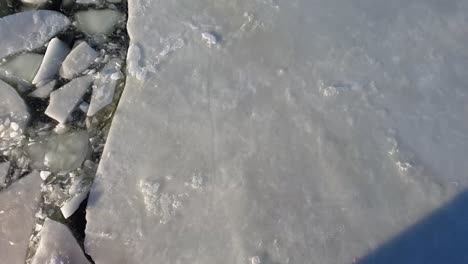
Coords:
21,68
65,99
44,175
4,167
60,153
210,38
79,59
104,86
70,206
34,2
29,30
98,22
53,58
87,2
12,106
18,204
57,245
44,90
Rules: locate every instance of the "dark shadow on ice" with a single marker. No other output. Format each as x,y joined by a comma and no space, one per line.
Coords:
440,238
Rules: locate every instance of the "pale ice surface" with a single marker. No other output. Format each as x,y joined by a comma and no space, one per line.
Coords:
104,86
21,68
18,203
98,22
12,106
56,52
65,99
78,60
308,132
58,246
29,30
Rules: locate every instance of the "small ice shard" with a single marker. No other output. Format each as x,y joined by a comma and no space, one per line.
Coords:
78,60
29,30
44,90
210,38
60,153
65,99
21,68
104,86
57,245
4,167
18,203
70,206
12,106
53,58
98,22
44,175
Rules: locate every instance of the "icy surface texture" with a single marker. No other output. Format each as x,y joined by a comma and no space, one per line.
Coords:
58,246
22,68
59,153
64,100
296,131
104,86
53,58
18,203
98,22
79,59
44,90
29,30
4,167
12,107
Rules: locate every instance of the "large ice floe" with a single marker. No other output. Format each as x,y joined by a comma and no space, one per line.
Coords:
18,205
249,131
29,30
281,131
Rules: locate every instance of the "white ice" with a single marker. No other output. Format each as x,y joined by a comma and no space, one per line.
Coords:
29,30
58,246
286,141
78,60
104,86
18,204
56,52
64,100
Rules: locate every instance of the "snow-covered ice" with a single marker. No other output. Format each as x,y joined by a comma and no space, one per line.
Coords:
65,99
29,30
18,204
56,52
78,60
284,128
104,86
21,68
98,22
58,246
12,106
43,91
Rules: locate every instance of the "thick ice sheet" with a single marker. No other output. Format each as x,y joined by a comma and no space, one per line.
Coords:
57,246
18,203
280,131
29,30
